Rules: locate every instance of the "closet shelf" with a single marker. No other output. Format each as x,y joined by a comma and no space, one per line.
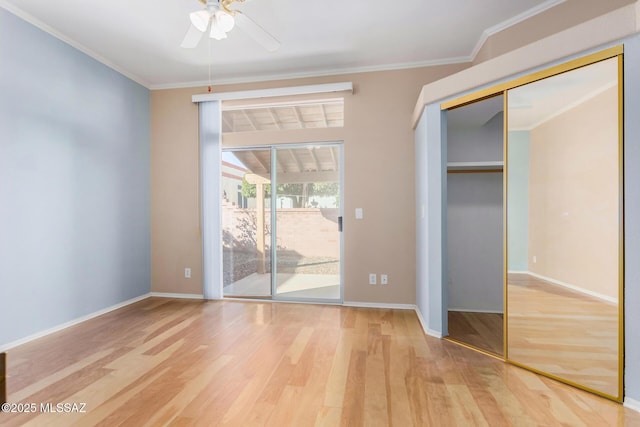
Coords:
475,166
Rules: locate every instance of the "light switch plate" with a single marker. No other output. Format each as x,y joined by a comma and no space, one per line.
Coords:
359,213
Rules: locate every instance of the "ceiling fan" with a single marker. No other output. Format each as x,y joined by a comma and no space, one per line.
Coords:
220,19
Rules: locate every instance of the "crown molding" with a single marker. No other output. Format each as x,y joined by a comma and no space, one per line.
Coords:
542,7
62,37
324,73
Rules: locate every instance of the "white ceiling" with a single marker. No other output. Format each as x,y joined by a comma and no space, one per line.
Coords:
141,38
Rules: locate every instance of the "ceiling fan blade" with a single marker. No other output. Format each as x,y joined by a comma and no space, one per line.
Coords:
192,38
255,31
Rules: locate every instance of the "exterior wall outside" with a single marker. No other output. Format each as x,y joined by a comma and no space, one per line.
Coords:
309,232
231,183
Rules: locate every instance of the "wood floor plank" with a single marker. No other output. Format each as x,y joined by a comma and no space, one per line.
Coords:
375,388
465,407
353,404
480,330
190,363
316,364
336,386
328,417
396,353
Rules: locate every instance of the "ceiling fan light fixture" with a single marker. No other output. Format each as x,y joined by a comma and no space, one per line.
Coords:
217,33
200,19
223,21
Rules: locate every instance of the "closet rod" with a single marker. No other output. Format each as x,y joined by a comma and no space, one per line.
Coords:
476,171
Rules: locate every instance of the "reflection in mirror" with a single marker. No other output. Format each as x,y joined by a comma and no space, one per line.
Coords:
563,216
475,266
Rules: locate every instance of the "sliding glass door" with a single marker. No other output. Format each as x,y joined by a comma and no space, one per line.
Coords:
308,221
282,221
246,224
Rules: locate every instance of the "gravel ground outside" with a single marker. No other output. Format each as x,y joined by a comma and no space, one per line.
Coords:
238,264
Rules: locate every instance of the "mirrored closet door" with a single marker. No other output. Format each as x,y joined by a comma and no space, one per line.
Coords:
542,234
564,216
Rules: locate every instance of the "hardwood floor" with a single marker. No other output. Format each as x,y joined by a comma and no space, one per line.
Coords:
563,332
179,363
480,330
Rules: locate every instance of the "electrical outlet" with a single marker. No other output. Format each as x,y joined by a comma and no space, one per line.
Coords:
373,280
535,259
384,279
187,273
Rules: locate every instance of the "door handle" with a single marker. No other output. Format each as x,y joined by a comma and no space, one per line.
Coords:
340,224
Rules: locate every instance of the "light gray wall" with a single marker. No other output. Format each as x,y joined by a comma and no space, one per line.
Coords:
476,144
74,183
475,240
431,223
422,237
474,220
632,216
518,200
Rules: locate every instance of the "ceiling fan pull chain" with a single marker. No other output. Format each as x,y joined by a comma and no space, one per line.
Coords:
209,89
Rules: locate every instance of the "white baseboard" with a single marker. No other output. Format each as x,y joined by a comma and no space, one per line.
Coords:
181,296
475,310
574,288
423,323
73,322
518,272
632,404
379,305
277,301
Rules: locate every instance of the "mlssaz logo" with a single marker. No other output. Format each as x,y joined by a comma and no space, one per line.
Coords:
63,407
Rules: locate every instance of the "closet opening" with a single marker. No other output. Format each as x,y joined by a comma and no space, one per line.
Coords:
474,217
